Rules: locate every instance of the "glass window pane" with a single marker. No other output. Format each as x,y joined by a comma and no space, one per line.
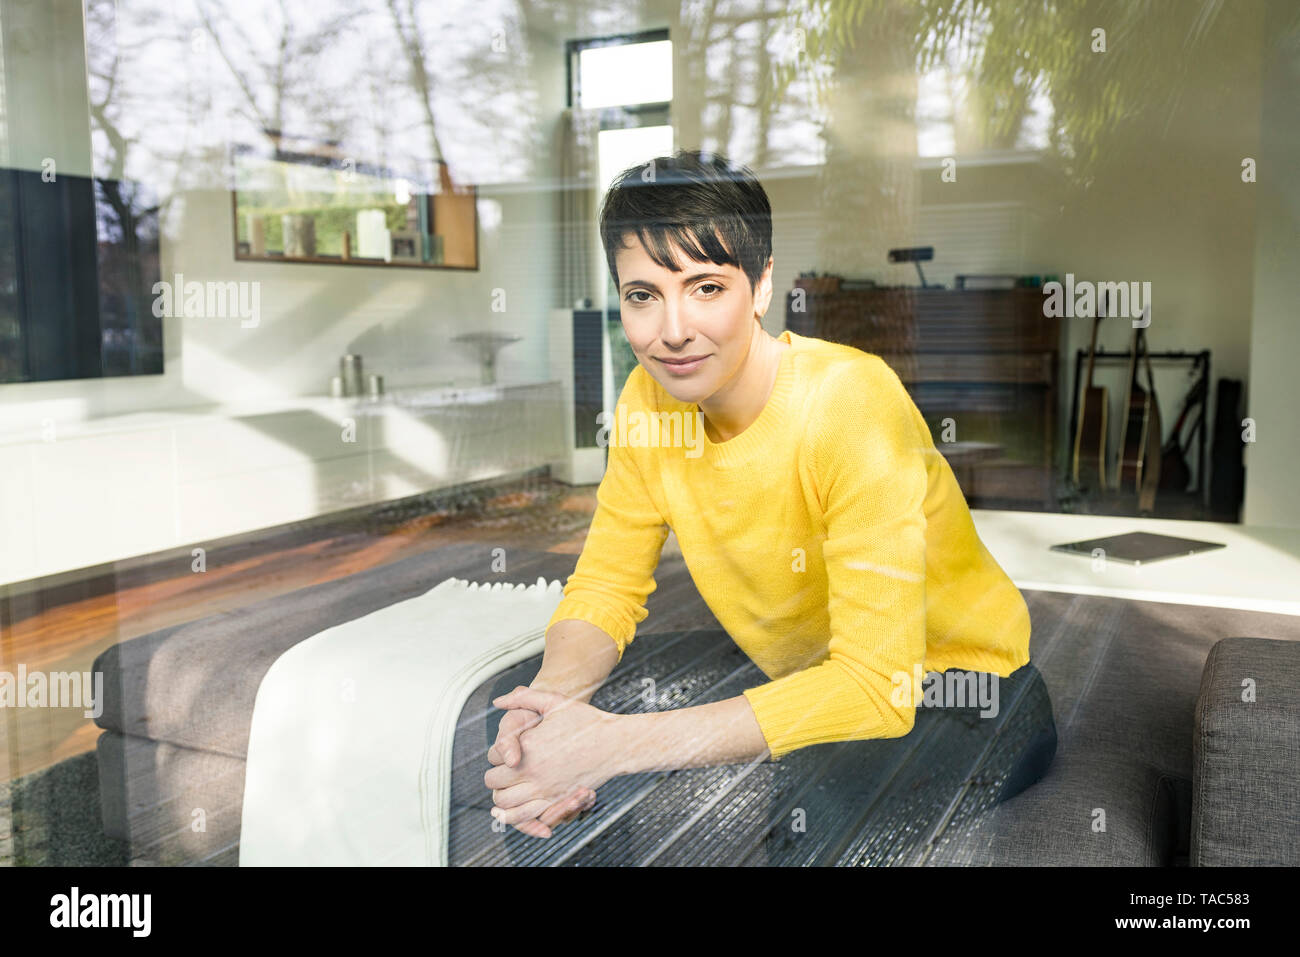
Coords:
620,149
626,74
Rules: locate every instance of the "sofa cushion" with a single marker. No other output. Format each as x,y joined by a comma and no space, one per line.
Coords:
1246,752
174,805
193,685
1091,810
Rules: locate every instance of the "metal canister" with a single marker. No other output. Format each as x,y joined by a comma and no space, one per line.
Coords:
350,369
374,385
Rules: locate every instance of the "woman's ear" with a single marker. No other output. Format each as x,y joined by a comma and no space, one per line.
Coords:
763,295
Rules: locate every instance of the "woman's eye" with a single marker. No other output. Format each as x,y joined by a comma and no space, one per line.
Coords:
637,292
711,285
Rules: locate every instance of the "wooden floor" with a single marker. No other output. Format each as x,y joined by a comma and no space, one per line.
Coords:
63,623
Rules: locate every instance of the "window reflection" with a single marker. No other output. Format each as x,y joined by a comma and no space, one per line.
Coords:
1035,149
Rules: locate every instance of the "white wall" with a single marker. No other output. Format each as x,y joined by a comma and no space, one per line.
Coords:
47,114
1273,383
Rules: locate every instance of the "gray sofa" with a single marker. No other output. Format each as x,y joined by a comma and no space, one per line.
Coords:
1159,762
1246,755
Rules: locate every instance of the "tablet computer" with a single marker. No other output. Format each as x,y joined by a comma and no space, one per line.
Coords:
1137,548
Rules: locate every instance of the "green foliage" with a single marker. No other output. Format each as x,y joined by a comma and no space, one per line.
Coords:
1015,49
331,223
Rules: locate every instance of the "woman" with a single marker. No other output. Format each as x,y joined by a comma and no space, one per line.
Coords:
818,521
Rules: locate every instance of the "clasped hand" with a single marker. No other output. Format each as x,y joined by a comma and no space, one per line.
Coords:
551,754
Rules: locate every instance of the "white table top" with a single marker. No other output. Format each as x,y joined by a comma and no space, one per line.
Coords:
1259,570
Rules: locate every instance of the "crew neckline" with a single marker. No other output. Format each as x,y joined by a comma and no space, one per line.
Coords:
760,433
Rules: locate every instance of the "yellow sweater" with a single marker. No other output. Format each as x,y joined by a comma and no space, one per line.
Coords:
829,538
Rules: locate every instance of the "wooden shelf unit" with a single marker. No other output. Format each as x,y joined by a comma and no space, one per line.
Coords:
963,354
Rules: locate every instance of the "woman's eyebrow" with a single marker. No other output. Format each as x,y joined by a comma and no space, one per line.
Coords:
686,280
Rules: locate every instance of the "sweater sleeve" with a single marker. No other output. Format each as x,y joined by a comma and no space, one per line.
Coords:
614,574
870,467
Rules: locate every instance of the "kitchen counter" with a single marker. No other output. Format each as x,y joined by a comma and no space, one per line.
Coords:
413,397
114,487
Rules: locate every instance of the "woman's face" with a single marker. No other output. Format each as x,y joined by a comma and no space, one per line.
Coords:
704,312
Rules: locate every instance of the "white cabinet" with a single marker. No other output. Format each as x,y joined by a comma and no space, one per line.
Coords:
108,489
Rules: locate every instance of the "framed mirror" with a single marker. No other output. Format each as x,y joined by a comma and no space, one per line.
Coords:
310,203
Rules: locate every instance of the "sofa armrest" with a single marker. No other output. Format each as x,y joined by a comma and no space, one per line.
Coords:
1245,752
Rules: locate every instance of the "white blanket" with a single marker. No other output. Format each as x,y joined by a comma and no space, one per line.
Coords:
349,756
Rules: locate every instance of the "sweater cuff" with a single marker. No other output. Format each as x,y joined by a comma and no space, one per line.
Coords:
612,625
809,707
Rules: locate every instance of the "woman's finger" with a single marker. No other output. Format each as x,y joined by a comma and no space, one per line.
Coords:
520,812
517,795
577,807
580,800
533,828
507,750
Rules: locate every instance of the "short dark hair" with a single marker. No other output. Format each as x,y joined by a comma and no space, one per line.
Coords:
693,200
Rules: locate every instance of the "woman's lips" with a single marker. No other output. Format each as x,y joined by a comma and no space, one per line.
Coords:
682,368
